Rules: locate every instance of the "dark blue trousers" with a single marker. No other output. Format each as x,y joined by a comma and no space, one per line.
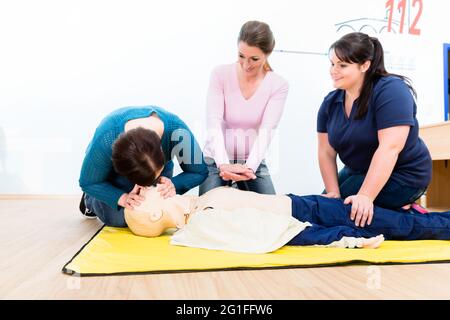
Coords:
330,220
392,196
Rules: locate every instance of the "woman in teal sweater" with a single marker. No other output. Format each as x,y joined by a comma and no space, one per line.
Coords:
135,146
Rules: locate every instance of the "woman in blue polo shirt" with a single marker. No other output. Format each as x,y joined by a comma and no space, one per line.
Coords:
370,122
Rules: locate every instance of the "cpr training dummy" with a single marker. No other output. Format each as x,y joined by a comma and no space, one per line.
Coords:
243,221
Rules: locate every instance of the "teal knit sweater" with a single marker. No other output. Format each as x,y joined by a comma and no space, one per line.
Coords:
98,178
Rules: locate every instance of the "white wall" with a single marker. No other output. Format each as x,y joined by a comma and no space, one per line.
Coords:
65,64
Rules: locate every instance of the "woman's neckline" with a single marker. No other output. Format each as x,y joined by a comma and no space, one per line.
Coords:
236,68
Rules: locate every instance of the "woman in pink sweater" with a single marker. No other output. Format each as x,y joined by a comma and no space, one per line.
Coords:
244,105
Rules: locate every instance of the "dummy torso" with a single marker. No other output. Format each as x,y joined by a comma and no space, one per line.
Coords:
156,214
230,198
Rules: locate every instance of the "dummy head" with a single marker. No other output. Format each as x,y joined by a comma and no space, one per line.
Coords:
156,214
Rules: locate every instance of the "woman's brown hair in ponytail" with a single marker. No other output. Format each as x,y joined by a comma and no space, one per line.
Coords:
358,48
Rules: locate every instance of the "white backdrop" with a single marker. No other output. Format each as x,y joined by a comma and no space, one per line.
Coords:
66,64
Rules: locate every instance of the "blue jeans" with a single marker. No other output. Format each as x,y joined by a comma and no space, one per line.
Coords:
330,219
262,184
392,196
114,217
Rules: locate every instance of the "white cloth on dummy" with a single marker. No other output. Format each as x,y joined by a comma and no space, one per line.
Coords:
245,230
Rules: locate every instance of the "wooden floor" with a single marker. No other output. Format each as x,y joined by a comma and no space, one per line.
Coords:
39,236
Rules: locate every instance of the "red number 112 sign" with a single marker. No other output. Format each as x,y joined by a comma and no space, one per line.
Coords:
390,5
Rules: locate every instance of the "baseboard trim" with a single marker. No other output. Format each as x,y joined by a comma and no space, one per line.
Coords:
39,196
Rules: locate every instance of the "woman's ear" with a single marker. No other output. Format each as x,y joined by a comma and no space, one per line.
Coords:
365,66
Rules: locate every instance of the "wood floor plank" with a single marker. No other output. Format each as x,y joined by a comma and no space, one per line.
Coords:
40,235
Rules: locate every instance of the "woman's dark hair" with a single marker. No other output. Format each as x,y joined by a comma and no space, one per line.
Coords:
258,34
357,47
137,155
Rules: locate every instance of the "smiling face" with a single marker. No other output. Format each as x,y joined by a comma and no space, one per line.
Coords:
155,214
346,75
251,59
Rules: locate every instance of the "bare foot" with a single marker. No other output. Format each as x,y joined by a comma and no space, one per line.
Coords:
374,242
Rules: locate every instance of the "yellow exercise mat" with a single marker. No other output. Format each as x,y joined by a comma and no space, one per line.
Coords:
118,251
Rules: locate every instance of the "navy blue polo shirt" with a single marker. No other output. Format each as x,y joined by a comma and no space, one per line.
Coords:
355,141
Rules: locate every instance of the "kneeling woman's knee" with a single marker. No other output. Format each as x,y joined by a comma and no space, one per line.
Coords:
116,222
109,216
